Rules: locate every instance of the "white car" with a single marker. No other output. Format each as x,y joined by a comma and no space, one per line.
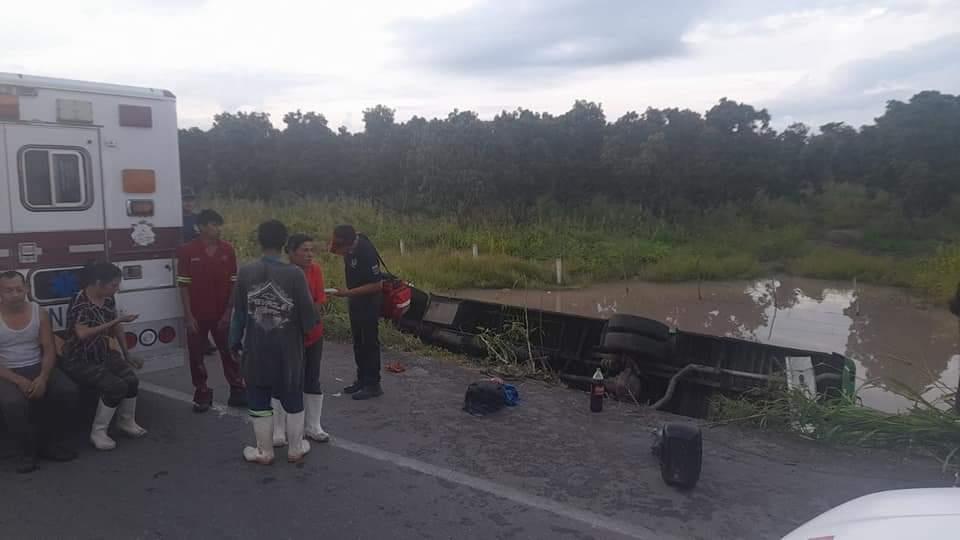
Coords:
915,514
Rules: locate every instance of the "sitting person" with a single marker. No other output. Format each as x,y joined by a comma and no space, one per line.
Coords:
92,325
34,394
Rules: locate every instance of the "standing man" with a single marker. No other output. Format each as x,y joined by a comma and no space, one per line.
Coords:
206,272
364,294
273,314
300,252
190,232
189,218
34,394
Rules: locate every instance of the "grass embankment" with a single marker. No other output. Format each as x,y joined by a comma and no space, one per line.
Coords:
603,243
927,428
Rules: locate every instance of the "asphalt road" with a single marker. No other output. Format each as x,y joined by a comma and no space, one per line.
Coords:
413,465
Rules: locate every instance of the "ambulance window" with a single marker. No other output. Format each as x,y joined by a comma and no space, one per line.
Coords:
55,285
36,172
54,179
66,176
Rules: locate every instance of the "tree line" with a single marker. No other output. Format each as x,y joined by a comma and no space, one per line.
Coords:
669,162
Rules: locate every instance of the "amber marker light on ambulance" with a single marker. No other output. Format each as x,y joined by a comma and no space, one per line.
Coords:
139,181
9,107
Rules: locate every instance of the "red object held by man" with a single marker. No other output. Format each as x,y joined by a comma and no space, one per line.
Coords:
396,299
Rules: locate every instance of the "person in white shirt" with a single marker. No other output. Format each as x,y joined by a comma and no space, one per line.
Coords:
34,394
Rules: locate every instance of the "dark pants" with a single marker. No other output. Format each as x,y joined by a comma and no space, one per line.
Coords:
311,376
258,400
113,378
311,379
366,349
197,345
34,421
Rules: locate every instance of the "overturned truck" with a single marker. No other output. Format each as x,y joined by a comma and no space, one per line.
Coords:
642,359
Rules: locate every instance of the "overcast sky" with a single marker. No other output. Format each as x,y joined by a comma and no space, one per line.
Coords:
806,60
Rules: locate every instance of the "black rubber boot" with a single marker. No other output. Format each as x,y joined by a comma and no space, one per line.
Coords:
369,392
56,452
201,407
238,397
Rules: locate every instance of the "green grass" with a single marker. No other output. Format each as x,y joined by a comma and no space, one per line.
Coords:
929,428
825,262
604,243
687,263
938,275
438,250
439,270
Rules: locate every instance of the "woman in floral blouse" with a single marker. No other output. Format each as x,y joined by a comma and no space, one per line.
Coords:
92,325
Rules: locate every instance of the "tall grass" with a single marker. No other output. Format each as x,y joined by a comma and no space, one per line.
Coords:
826,262
939,273
929,427
607,242
438,249
688,263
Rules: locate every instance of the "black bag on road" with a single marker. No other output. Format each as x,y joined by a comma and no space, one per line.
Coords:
484,397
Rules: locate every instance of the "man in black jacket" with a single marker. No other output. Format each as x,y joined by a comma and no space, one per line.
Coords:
364,295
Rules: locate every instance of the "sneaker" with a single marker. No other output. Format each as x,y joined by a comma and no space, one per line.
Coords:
353,388
238,398
56,452
368,392
201,407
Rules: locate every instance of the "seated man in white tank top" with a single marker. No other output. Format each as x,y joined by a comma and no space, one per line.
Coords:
34,394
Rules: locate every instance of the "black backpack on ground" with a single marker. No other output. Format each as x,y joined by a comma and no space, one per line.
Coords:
484,397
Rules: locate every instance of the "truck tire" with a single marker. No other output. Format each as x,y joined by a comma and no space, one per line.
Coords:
634,344
631,324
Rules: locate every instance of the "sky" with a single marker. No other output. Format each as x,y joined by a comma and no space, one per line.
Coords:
811,61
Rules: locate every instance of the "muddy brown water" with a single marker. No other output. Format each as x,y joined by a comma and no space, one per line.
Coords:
894,339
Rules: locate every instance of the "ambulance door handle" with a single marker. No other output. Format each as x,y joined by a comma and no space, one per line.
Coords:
28,252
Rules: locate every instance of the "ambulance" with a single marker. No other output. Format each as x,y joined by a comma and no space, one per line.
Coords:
88,172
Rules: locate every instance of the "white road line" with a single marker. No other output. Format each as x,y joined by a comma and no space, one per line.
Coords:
588,518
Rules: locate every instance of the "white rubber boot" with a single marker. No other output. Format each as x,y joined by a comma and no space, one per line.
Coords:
101,422
297,446
262,453
279,423
313,407
126,421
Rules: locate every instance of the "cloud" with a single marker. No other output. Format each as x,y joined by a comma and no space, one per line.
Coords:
858,91
426,57
236,89
537,35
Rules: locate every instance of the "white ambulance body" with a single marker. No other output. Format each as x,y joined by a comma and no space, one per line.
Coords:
90,171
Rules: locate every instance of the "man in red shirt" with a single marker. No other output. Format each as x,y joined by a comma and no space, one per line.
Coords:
300,251
206,272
